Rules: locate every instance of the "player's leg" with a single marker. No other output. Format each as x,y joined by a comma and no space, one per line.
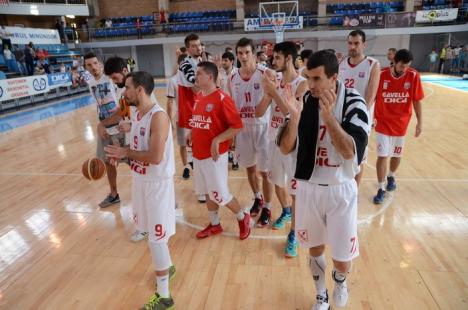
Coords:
311,234
261,146
139,214
397,147
383,150
181,141
111,172
159,206
342,234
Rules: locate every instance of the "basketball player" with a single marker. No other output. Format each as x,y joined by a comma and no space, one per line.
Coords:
305,54
280,169
103,91
252,142
362,73
400,91
214,123
152,162
186,82
172,109
329,132
391,55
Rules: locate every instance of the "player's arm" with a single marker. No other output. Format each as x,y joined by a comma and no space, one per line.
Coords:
159,134
418,111
289,135
373,86
114,119
341,140
170,102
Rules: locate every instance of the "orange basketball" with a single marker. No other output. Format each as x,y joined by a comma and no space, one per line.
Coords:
93,169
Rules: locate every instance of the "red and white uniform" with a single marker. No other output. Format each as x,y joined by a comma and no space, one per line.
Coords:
153,195
212,115
281,167
252,141
186,80
393,109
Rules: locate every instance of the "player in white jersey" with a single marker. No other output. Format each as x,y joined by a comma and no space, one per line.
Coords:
329,131
152,162
280,168
245,87
362,73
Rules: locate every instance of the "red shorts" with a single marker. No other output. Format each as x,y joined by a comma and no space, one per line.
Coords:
186,101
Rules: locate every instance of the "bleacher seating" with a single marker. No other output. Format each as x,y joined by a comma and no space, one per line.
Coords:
435,5
341,9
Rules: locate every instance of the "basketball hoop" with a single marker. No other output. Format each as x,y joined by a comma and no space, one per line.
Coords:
279,19
279,16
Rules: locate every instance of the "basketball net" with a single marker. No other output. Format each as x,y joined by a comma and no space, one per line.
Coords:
278,27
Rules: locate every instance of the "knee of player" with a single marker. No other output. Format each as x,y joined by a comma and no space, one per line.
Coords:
342,266
317,251
264,174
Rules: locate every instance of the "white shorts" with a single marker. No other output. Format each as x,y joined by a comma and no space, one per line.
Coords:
389,146
252,146
153,205
279,166
328,215
211,177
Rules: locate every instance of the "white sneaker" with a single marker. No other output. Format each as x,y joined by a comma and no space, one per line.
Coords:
201,198
340,294
138,235
322,303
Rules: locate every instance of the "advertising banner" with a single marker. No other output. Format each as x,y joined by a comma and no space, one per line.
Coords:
20,35
430,16
364,21
23,87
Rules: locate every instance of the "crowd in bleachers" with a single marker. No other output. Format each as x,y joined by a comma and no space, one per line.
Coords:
343,9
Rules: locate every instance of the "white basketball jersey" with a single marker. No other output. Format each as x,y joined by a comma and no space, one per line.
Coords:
356,76
277,118
247,95
140,133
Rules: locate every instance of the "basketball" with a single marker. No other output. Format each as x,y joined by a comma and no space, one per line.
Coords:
93,169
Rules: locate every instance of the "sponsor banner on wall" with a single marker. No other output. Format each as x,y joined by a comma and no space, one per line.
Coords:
59,79
399,20
23,87
253,24
430,16
364,21
20,35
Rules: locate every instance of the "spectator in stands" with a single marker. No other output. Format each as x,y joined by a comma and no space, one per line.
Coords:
433,61
40,54
108,23
59,27
9,60
390,55
448,58
62,68
20,60
42,67
463,57
162,16
456,58
4,37
442,55
29,57
262,58
138,28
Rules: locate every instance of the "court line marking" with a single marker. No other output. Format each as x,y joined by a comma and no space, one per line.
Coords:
448,87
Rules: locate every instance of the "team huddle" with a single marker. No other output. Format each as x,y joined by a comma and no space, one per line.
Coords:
303,131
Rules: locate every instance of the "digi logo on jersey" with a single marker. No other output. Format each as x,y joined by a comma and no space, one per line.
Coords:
397,97
276,121
247,112
200,122
322,158
138,166
39,84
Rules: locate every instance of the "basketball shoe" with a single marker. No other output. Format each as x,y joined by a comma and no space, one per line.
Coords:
210,230
391,184
138,236
109,200
156,302
291,246
244,227
322,302
256,207
379,198
264,219
340,293
284,218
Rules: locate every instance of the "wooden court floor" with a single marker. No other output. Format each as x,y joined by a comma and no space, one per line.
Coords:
58,250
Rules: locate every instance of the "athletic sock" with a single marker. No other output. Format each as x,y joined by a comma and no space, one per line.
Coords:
287,210
338,276
318,265
163,286
258,195
214,217
267,205
382,185
240,215
391,174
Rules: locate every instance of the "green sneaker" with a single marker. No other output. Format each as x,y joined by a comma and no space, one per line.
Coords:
156,302
291,246
172,273
282,220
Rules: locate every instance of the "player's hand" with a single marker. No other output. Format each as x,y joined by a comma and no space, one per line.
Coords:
327,101
188,139
217,61
268,84
215,149
115,152
102,132
125,126
294,107
418,130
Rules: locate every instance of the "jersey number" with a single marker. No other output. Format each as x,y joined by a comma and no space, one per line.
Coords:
248,97
349,83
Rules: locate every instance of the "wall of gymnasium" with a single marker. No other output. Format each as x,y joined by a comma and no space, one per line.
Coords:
28,21
117,8
200,5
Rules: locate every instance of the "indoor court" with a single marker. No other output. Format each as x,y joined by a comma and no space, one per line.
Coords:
60,251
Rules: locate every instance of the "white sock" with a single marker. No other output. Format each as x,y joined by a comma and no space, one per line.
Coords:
163,286
214,217
187,166
382,185
318,265
267,205
240,215
391,174
258,195
338,276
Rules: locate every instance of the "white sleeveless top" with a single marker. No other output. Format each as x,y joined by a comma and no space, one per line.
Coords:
358,76
277,118
140,133
247,95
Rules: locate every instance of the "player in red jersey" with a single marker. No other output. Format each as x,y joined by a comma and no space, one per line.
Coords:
399,91
214,122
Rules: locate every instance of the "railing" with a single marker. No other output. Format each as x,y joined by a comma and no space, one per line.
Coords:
311,23
64,2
